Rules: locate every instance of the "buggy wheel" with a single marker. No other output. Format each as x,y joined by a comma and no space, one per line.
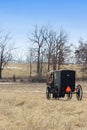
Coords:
79,92
69,96
48,94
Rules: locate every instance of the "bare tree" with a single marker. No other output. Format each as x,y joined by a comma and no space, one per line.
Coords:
38,40
81,56
61,49
50,44
31,58
81,52
43,60
5,51
57,48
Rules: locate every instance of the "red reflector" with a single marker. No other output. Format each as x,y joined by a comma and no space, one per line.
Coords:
68,89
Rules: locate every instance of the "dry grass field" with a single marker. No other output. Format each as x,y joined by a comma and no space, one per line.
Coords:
23,70
25,107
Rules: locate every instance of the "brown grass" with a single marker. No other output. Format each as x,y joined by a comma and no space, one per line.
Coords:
23,70
25,107
20,70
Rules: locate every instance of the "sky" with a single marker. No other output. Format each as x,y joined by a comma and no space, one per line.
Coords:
20,16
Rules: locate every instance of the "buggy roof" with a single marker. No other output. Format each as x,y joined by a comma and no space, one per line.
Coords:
63,70
52,71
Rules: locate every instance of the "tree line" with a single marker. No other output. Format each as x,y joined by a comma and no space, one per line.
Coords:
52,47
47,47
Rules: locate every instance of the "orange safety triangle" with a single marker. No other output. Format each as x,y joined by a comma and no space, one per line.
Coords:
68,89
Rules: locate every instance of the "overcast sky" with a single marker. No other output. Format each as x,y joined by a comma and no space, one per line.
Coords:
19,16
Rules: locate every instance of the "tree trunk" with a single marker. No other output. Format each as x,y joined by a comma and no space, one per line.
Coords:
49,61
30,69
48,64
59,63
54,62
0,73
38,62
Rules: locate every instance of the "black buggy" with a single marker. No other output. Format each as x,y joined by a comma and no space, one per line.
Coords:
61,82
